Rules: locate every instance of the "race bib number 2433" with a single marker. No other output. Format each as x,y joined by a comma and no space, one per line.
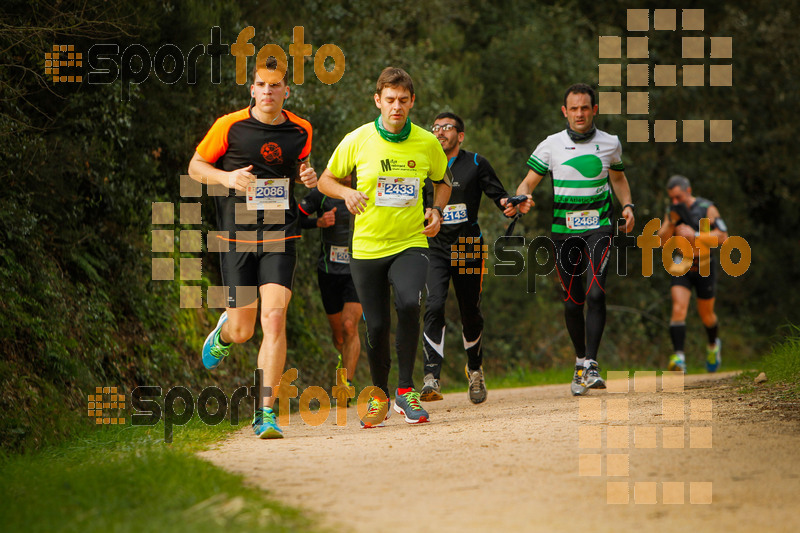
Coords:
397,192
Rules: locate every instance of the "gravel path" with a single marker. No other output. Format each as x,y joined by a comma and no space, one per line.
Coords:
521,462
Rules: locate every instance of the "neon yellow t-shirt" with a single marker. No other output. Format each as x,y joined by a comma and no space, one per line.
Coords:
392,176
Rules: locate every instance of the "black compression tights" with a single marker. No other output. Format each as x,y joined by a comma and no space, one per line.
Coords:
575,256
405,273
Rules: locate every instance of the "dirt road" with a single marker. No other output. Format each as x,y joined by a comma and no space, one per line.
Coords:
519,462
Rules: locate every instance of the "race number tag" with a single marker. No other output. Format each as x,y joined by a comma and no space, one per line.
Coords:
397,192
268,193
583,220
455,214
340,254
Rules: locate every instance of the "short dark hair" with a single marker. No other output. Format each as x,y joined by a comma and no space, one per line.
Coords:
448,114
580,88
678,181
394,77
272,64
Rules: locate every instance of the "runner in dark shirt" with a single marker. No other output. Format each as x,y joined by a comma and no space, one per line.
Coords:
250,161
473,177
683,220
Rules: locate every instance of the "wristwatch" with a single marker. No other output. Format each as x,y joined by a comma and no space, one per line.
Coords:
628,205
441,212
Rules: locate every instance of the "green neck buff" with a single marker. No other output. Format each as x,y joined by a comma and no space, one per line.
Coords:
393,137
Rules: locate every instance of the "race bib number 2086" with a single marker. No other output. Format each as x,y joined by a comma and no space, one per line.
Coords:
271,193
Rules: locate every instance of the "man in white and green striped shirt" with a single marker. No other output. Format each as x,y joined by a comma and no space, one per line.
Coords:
586,165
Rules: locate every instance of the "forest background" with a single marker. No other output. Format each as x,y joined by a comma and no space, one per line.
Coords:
83,163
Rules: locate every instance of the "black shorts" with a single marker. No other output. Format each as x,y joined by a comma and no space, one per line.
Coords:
582,254
336,290
704,286
244,272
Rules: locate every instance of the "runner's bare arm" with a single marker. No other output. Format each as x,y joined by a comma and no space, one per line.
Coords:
204,172
527,186
330,185
720,233
666,230
441,194
622,190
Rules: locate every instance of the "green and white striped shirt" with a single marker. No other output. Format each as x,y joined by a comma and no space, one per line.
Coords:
582,196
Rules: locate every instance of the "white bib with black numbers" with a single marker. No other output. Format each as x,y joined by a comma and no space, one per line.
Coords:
268,193
340,254
583,220
455,214
397,192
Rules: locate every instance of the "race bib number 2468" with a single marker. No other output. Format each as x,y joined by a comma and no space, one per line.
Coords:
583,220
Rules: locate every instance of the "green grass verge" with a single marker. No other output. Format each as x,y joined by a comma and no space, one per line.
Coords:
528,378
128,479
781,365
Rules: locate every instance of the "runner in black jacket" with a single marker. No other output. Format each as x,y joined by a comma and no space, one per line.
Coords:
473,176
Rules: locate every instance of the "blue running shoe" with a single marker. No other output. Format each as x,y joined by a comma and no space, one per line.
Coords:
408,405
213,349
714,356
265,426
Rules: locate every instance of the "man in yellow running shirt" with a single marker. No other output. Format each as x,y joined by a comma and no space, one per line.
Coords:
390,159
